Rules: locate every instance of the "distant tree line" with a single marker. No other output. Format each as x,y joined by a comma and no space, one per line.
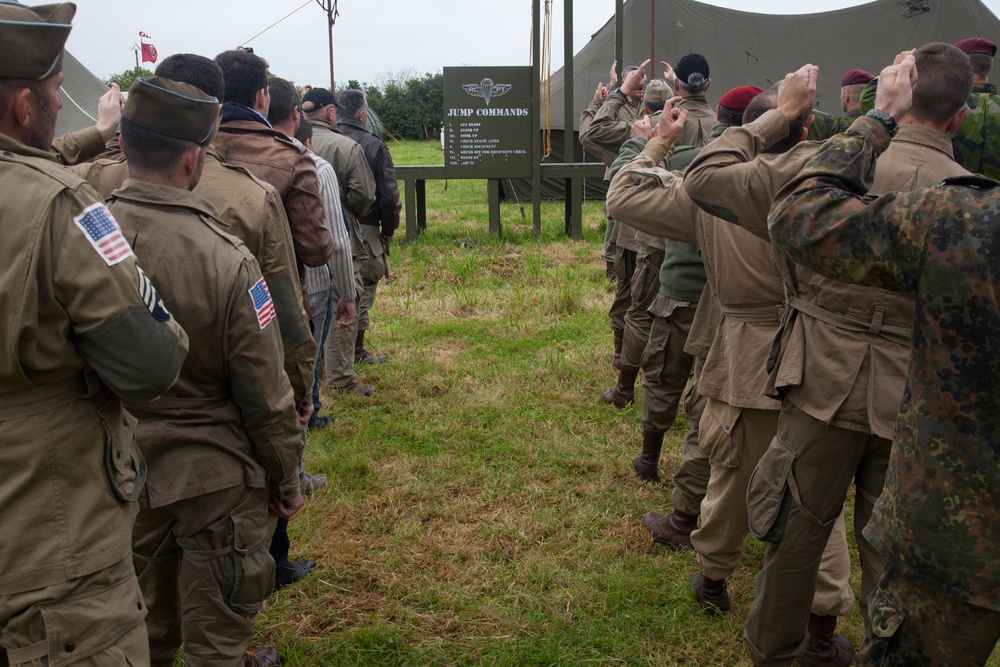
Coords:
409,106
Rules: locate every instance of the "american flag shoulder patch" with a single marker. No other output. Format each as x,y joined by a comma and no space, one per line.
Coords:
262,303
103,232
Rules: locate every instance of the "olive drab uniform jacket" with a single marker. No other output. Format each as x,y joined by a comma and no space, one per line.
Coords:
843,350
82,327
229,420
938,517
354,175
977,141
255,215
739,270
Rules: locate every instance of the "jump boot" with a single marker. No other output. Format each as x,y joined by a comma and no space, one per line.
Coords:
624,392
648,461
711,594
616,360
363,356
826,649
673,530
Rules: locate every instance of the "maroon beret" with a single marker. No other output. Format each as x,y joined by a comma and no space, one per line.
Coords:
977,45
737,99
856,77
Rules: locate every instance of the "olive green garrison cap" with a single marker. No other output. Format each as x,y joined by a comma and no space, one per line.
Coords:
172,108
32,39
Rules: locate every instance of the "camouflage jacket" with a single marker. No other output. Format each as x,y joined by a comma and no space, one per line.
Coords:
977,141
825,126
937,518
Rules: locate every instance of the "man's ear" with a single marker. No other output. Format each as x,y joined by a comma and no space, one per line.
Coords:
957,120
190,160
24,107
262,102
708,84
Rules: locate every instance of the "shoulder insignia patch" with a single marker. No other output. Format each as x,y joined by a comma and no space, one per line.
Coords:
262,303
151,297
103,232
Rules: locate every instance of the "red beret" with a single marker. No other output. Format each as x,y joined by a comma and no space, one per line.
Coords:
856,77
737,99
977,45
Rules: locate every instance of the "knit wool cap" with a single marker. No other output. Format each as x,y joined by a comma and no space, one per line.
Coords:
657,90
32,39
737,99
173,109
856,77
690,64
973,45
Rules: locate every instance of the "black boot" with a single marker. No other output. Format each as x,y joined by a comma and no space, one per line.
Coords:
616,359
363,356
826,649
624,393
711,594
673,530
648,461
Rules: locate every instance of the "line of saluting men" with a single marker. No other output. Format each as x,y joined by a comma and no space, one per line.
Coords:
836,328
182,270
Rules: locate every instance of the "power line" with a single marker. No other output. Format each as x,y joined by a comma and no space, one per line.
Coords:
277,22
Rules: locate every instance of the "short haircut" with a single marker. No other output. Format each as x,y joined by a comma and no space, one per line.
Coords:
11,87
982,64
695,85
304,132
284,99
943,84
763,103
195,70
728,117
147,150
653,107
244,74
351,103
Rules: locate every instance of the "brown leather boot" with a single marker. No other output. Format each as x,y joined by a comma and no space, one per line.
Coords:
711,594
826,649
624,393
648,461
616,360
265,657
673,530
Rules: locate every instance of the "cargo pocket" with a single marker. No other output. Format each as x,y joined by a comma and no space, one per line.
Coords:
768,496
882,644
82,625
723,434
123,462
248,569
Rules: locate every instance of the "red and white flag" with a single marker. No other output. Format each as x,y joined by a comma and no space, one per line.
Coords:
148,50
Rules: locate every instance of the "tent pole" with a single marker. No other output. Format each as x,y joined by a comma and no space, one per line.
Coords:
536,120
652,36
620,33
574,210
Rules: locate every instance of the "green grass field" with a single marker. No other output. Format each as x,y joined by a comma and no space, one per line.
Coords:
481,508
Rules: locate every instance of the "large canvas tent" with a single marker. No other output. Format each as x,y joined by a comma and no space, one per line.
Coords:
758,49
80,93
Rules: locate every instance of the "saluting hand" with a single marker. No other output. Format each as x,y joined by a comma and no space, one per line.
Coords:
109,112
642,128
636,79
613,77
895,85
671,121
668,74
797,92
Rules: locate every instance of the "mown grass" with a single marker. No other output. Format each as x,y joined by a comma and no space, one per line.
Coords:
481,507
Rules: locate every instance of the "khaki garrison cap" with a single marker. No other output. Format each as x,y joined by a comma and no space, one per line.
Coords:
32,39
657,90
173,109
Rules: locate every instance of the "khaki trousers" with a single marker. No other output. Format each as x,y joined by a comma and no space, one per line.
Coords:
624,268
914,624
205,571
91,621
338,353
610,235
734,439
666,367
691,478
797,493
645,285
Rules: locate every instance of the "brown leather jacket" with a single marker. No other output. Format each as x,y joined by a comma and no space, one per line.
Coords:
274,158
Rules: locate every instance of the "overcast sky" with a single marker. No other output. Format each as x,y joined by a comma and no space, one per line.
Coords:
371,37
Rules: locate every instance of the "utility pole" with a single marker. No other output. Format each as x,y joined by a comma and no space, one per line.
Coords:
330,7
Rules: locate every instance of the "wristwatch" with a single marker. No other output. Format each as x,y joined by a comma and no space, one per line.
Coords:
621,93
882,116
